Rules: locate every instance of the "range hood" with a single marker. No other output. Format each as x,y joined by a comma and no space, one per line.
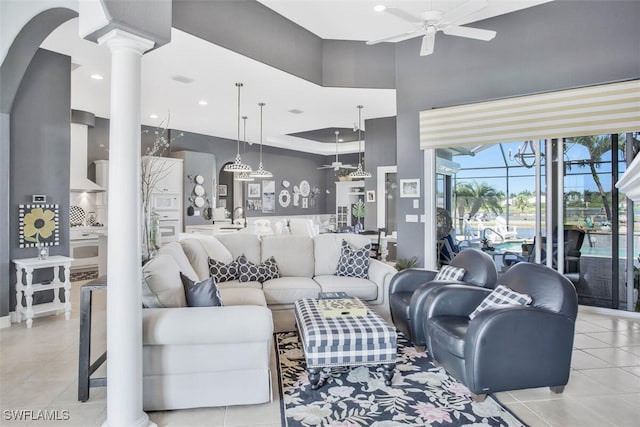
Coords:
78,157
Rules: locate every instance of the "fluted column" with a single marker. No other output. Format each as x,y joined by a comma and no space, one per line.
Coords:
124,294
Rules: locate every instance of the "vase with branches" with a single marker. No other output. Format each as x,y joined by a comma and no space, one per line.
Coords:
153,168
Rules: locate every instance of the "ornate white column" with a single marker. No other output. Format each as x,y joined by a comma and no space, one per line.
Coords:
124,294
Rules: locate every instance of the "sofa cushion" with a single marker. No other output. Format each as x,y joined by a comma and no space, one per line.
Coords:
163,287
250,272
177,253
201,294
198,252
222,271
242,243
293,253
353,262
242,296
237,284
326,250
286,290
354,287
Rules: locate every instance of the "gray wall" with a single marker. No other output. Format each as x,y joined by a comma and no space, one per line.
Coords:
4,214
557,45
380,151
40,128
289,165
196,163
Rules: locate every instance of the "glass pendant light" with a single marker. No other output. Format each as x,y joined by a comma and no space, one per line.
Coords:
359,173
244,176
237,166
261,172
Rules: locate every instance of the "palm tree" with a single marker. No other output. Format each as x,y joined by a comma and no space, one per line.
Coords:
596,145
521,200
477,196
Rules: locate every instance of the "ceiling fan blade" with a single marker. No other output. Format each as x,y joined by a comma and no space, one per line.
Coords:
405,16
398,37
428,43
348,167
325,167
471,33
458,14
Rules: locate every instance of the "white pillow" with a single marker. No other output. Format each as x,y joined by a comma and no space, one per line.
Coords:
501,295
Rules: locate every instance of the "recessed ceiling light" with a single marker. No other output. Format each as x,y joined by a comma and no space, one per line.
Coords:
379,8
96,77
203,102
295,111
340,140
153,116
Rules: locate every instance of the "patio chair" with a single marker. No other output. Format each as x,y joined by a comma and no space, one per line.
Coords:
505,231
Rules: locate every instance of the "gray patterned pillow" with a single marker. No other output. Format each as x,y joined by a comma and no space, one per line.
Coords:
353,262
250,272
223,272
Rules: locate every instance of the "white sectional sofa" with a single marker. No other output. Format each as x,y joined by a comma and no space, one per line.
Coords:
219,356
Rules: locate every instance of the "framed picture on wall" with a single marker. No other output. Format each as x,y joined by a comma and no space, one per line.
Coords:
409,188
371,195
253,190
222,190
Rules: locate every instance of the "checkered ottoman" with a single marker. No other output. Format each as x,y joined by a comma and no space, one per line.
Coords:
344,340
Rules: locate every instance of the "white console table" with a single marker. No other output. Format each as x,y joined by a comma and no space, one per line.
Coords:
24,270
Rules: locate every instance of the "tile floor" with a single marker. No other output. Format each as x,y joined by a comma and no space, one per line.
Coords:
38,370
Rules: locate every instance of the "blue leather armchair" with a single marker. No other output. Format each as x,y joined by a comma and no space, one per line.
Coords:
409,289
511,347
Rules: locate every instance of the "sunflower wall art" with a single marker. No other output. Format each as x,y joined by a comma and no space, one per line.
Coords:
38,225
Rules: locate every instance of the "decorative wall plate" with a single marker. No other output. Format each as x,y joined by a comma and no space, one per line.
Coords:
198,201
199,190
199,179
286,184
305,188
284,198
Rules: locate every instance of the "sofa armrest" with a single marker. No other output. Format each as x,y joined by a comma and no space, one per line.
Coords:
206,325
410,279
518,346
381,274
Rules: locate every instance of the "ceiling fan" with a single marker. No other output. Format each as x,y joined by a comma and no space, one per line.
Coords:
337,165
433,21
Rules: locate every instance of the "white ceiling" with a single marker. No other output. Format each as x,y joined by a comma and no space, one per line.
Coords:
214,71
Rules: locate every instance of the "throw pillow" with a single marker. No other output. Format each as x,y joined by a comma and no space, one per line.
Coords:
353,262
449,272
501,295
201,294
223,272
250,272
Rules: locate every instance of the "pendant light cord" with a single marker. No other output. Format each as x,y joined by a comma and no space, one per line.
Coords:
359,130
261,104
238,85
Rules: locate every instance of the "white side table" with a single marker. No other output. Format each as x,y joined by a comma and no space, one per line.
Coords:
24,269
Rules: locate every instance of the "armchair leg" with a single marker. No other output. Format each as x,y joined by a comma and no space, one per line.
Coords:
479,398
558,389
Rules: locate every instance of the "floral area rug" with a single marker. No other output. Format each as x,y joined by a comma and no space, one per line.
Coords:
420,395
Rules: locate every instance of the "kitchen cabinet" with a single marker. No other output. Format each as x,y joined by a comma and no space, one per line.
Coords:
169,173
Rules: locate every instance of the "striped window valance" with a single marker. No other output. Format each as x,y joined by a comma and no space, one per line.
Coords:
585,111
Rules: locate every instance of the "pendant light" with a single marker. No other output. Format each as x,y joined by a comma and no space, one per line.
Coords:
359,173
244,176
261,173
237,166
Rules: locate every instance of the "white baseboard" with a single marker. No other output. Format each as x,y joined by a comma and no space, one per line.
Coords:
609,312
5,322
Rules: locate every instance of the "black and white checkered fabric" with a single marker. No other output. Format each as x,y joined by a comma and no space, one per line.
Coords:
501,295
449,272
223,272
343,340
353,262
250,272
